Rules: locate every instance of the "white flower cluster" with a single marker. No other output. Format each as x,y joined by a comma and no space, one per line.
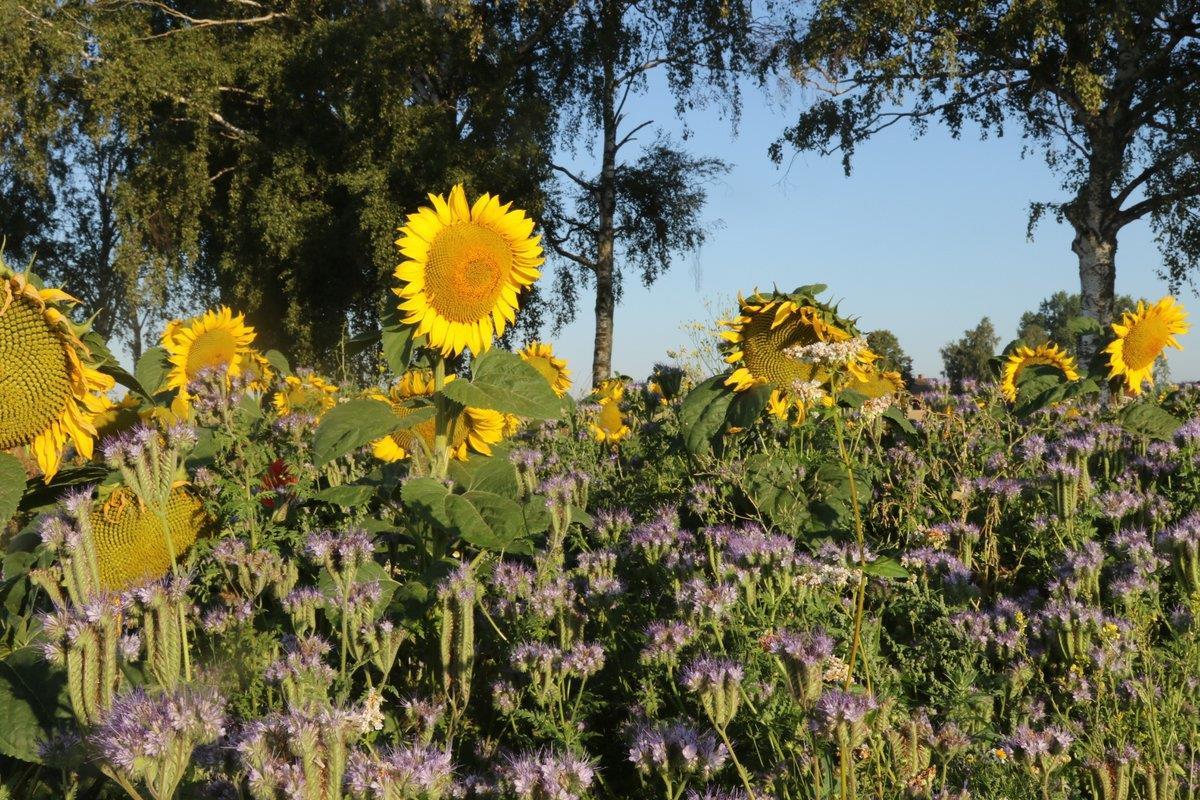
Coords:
830,354
808,393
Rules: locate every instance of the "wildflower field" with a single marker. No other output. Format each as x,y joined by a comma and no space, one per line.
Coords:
799,578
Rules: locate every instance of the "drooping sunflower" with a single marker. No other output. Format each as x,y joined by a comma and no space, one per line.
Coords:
130,546
50,390
217,339
473,430
540,356
611,388
609,423
877,383
1050,355
305,393
1142,335
464,267
767,326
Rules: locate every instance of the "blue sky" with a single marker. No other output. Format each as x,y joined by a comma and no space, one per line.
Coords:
924,238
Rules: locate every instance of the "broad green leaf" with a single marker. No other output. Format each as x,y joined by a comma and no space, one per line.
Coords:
746,407
848,398
494,473
899,419
347,496
352,425
397,341
502,381
772,487
702,414
12,487
487,521
151,370
278,362
29,704
885,567
1147,419
427,496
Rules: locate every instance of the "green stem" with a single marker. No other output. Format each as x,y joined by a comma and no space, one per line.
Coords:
440,455
745,776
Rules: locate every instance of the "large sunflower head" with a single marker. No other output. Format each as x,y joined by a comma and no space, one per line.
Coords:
50,391
130,546
1049,355
305,393
875,383
1142,335
472,430
768,326
609,424
464,267
540,356
214,341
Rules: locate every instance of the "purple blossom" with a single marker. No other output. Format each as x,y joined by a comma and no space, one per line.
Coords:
666,639
547,775
676,750
399,772
840,713
140,727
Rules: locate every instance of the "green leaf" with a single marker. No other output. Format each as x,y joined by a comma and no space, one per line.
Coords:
29,703
702,414
494,473
772,487
12,487
488,521
397,341
151,370
278,361
1147,419
427,496
502,381
347,496
746,407
886,567
848,398
352,425
899,419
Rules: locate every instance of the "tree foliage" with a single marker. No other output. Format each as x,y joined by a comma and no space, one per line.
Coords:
270,149
1051,321
1107,92
969,358
892,356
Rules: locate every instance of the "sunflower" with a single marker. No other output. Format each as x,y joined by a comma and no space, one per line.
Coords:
609,423
767,326
306,393
1050,355
130,546
214,340
464,268
540,356
474,429
610,388
877,383
50,391
1142,335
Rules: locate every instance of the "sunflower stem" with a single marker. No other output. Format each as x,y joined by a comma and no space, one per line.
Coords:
441,438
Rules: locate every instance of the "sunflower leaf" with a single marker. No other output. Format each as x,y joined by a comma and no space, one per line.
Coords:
502,381
151,370
747,407
279,361
30,704
397,341
12,486
1147,419
702,414
352,425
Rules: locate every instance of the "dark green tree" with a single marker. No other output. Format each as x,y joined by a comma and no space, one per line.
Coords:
270,149
1108,93
635,213
968,358
892,356
1050,322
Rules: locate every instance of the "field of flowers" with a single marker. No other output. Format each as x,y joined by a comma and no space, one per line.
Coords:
795,579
